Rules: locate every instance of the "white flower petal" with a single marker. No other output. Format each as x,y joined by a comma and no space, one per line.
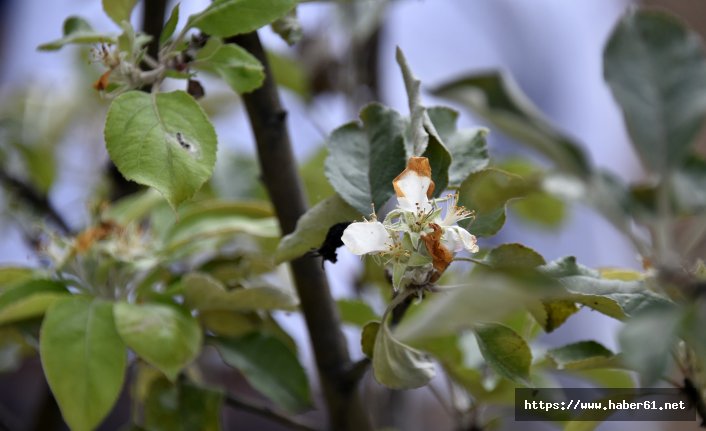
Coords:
414,188
366,237
456,239
414,185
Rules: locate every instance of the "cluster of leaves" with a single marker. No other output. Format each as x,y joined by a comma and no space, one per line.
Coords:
160,281
655,67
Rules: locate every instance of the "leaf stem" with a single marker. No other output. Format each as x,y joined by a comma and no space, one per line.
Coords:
267,412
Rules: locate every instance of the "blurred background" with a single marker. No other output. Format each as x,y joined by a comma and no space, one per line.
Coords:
51,141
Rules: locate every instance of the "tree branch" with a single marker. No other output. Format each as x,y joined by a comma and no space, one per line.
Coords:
33,199
280,176
266,412
153,23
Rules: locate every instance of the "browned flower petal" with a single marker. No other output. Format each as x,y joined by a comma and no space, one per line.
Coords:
420,166
441,256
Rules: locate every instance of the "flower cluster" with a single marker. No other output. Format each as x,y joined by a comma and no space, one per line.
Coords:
420,237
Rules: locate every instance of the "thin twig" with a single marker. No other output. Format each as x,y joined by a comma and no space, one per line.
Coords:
267,412
35,200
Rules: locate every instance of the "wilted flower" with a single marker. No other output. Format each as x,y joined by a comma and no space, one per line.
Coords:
414,238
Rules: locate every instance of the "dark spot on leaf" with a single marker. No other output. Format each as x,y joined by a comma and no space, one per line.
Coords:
185,145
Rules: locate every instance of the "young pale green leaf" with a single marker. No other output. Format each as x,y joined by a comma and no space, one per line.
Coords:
83,359
29,299
363,160
505,351
656,69
487,192
181,407
77,31
161,140
119,10
356,312
218,219
270,367
170,25
581,355
162,335
238,68
499,100
203,292
313,226
397,365
224,18
14,275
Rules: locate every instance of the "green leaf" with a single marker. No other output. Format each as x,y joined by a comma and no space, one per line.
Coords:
656,69
79,31
181,407
224,18
170,25
133,207
615,298
499,100
505,351
513,255
290,74
312,172
581,355
439,160
238,68
217,220
14,275
313,226
161,140
270,367
647,339
119,10
162,335
553,313
203,292
363,160
29,299
489,297
467,146
83,359
487,192
367,338
397,365
356,312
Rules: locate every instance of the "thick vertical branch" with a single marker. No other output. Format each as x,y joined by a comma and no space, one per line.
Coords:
279,173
